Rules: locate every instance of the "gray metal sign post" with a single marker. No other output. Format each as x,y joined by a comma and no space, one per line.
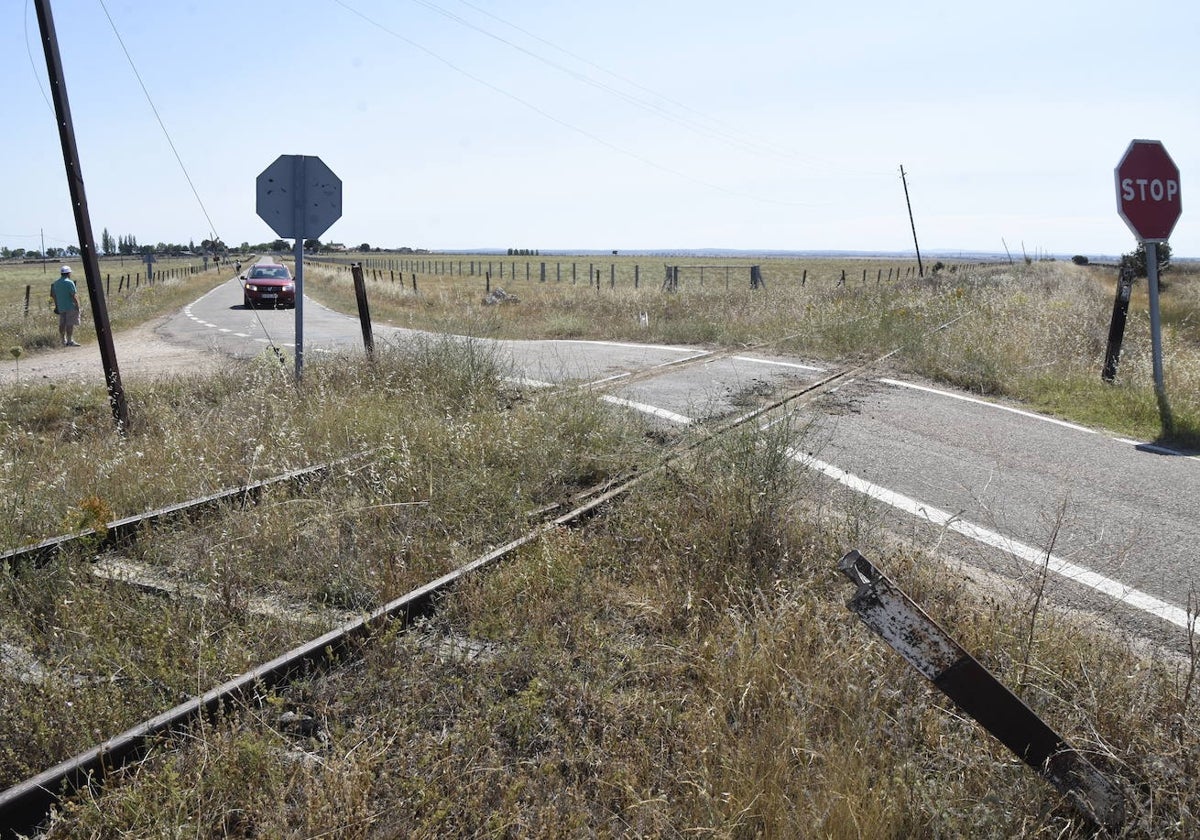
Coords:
1150,202
299,197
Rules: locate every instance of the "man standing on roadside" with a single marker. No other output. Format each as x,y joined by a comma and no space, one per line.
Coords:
66,304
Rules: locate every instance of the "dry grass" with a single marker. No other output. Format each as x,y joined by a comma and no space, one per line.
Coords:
681,667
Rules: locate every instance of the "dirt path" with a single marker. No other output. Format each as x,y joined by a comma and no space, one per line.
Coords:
141,353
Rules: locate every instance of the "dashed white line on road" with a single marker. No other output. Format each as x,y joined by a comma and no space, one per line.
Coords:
649,409
796,365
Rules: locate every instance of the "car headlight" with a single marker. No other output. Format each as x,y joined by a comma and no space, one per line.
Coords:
250,287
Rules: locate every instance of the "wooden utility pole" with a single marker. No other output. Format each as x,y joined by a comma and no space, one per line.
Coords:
903,180
83,222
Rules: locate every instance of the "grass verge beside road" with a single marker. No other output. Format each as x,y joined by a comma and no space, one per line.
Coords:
1033,333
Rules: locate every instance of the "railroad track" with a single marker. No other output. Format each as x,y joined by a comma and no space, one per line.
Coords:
24,806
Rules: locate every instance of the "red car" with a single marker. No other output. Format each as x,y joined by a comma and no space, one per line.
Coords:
268,284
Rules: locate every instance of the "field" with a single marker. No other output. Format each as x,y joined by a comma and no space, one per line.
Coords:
683,665
27,321
1033,332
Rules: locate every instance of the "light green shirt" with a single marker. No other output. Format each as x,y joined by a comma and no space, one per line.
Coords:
64,292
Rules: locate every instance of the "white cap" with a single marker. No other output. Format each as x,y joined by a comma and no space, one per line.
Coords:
66,269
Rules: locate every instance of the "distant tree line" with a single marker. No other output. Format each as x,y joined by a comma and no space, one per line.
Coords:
524,252
51,253
128,245
1135,261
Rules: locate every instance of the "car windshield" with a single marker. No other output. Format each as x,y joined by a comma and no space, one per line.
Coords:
274,272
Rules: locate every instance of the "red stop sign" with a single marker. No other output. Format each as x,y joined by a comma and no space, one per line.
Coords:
1148,191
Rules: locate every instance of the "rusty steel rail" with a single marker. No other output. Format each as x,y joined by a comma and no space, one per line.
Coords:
25,806
887,610
122,530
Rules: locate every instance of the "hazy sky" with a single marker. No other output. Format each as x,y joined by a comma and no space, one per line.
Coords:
628,125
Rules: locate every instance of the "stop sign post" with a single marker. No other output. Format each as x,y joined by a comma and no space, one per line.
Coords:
299,197
1150,202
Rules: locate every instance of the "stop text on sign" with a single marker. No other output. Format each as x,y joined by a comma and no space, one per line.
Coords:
1149,191
1138,189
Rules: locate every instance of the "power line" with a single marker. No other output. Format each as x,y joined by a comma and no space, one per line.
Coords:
745,143
716,128
32,63
161,124
558,120
213,232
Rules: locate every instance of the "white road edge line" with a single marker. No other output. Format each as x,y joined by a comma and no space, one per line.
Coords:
1155,447
899,384
1079,574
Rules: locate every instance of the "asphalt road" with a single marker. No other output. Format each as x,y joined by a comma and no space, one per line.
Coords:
1010,491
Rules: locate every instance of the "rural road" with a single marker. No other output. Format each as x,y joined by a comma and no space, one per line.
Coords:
1000,486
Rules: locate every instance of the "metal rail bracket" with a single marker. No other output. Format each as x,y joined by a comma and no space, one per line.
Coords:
895,617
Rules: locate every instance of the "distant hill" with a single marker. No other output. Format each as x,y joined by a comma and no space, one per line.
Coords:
973,256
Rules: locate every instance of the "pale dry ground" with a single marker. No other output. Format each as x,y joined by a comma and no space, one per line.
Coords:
141,353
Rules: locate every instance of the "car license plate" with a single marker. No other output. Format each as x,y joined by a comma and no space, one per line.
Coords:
269,297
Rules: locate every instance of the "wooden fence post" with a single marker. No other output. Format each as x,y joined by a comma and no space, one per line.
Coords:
756,278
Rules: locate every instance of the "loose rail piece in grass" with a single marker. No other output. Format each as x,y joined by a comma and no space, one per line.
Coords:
888,611
115,533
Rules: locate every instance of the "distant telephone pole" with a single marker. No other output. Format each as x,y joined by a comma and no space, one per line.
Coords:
903,180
